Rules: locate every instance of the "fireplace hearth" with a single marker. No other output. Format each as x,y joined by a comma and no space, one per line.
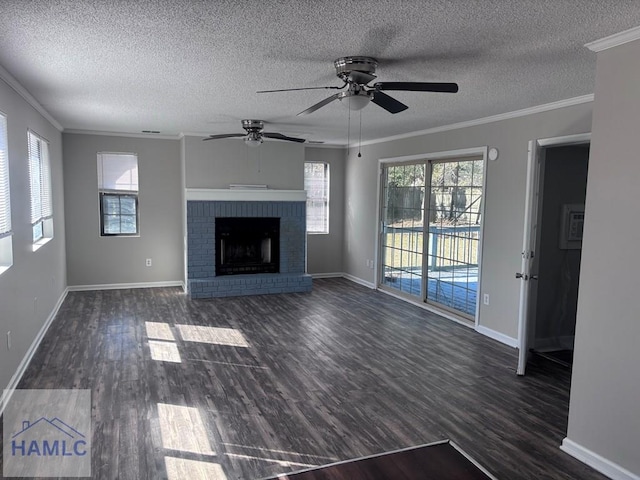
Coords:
247,245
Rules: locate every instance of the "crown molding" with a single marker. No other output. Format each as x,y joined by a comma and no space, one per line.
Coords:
454,126
20,90
614,40
123,134
481,121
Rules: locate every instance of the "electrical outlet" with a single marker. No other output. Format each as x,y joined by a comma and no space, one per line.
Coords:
371,264
9,340
148,262
35,304
485,299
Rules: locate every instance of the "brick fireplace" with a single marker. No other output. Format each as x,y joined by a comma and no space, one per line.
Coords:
204,206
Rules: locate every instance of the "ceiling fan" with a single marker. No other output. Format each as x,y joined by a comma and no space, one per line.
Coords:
255,134
357,73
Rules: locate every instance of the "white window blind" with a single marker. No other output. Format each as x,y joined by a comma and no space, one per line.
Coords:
118,172
39,179
316,183
5,198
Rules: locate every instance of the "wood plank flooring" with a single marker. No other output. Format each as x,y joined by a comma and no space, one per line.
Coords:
338,373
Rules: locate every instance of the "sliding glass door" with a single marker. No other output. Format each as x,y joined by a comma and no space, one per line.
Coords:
430,235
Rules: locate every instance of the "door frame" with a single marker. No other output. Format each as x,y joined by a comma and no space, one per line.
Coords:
459,154
532,192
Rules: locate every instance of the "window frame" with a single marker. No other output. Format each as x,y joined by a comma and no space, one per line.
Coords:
325,199
6,232
40,189
118,193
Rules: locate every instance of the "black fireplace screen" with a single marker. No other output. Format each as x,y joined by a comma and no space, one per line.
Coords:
247,245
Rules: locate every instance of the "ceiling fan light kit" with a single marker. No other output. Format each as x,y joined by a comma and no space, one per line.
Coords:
253,140
355,101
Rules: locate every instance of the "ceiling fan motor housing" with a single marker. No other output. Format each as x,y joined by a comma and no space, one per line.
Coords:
346,66
253,126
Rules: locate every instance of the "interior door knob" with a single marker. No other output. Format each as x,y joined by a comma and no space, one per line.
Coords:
533,277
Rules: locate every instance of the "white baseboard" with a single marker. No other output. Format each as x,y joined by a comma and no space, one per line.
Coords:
500,337
598,462
120,286
359,281
327,275
17,376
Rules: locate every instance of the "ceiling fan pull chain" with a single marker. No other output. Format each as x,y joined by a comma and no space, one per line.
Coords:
360,138
349,126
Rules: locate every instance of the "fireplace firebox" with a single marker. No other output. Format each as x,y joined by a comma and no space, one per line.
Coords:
246,245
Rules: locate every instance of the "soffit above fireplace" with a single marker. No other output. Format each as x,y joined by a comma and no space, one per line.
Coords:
240,195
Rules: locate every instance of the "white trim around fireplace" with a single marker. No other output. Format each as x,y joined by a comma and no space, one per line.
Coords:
248,195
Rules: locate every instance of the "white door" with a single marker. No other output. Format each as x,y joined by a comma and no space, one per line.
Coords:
527,276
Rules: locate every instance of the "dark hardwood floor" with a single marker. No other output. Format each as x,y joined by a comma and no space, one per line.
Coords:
338,373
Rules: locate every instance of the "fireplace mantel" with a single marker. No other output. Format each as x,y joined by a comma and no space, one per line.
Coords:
245,195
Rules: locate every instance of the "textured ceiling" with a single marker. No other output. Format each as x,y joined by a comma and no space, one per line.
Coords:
194,66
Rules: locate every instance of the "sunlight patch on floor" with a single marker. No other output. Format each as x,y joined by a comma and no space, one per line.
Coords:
164,351
182,429
183,469
213,335
159,331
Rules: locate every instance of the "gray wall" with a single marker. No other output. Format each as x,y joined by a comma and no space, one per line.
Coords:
279,165
31,288
605,389
505,198
96,260
219,163
565,181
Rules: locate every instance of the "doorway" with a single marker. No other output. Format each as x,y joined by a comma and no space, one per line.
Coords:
551,259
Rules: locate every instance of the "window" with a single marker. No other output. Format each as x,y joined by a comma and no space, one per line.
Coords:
118,188
40,186
316,183
6,254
